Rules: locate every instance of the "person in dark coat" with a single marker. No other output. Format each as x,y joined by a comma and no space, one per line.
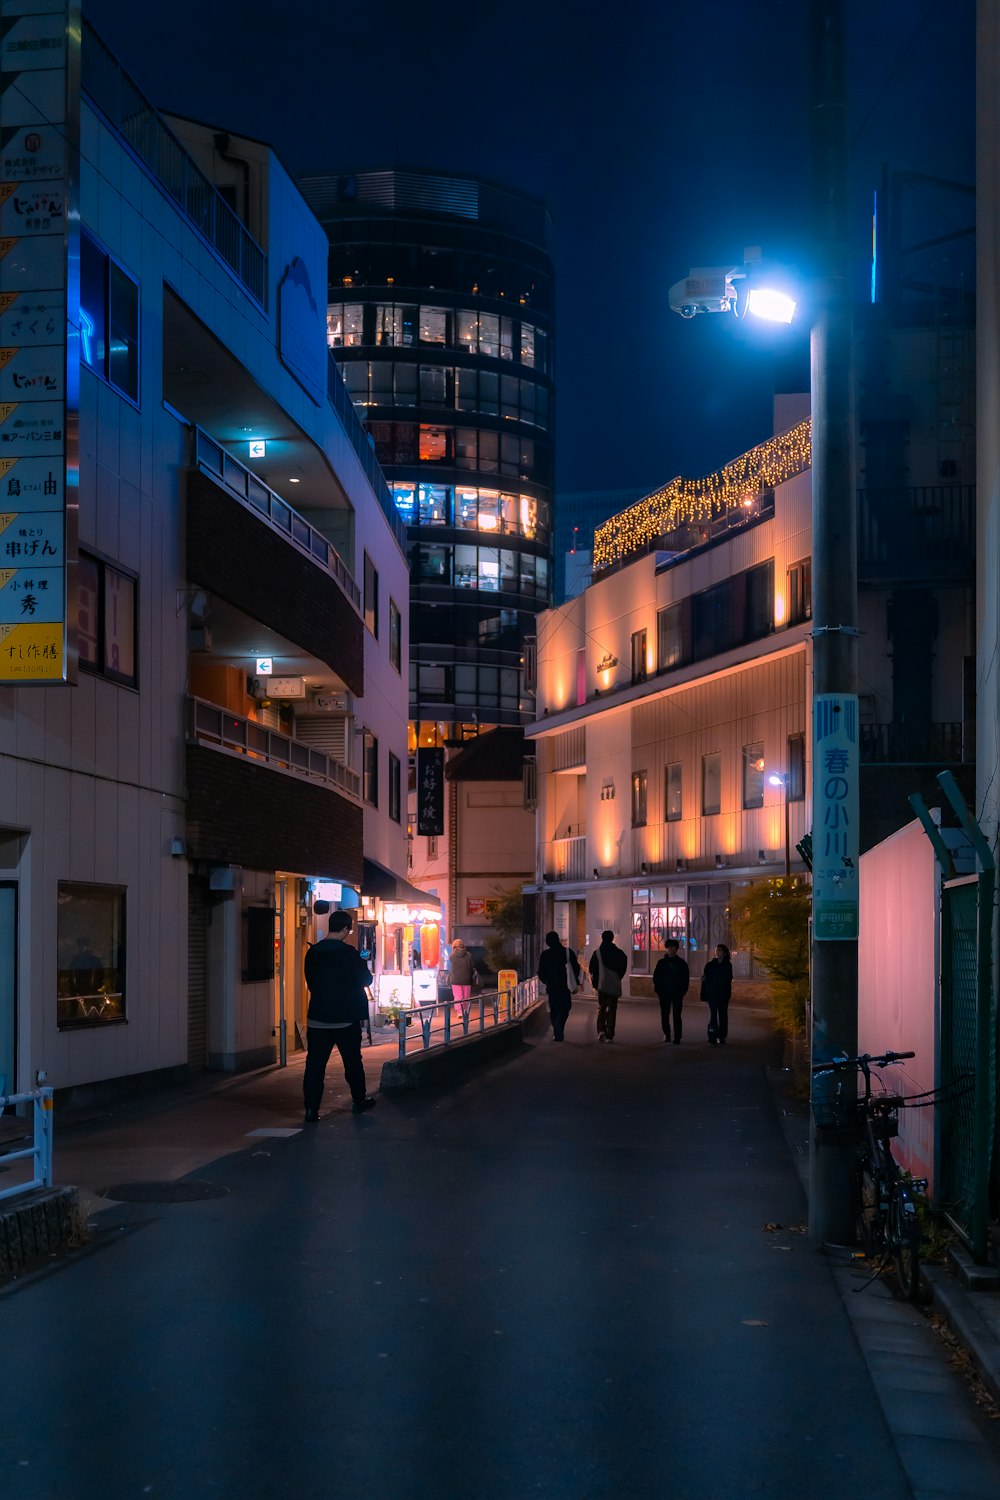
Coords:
671,978
607,969
552,973
338,980
716,988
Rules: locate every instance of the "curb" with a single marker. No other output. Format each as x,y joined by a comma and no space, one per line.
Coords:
425,1069
36,1225
968,1326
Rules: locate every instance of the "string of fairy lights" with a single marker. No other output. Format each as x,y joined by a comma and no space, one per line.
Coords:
700,501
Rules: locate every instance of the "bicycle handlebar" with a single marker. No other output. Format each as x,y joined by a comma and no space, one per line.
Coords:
866,1060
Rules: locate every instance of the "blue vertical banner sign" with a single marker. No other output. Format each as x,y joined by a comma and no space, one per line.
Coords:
37,107
836,768
430,792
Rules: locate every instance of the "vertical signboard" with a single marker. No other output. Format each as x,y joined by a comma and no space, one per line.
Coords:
36,137
836,767
430,792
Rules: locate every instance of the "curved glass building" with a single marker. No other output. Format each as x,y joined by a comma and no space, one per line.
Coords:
440,313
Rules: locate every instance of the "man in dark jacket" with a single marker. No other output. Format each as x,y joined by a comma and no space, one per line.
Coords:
671,978
555,965
607,970
338,978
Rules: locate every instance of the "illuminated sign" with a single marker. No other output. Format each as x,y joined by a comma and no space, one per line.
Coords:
258,448
265,666
39,352
287,687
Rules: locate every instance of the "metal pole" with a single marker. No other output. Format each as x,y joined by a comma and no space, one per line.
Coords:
788,841
282,1036
835,604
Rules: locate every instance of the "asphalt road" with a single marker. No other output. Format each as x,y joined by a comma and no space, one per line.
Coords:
554,1280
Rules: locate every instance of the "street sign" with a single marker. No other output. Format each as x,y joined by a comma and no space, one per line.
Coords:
836,850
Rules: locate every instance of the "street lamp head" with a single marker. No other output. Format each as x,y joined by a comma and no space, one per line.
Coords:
776,778
771,304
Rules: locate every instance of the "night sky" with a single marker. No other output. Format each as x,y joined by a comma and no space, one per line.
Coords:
661,136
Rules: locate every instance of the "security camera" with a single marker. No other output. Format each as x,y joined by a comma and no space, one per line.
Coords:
705,289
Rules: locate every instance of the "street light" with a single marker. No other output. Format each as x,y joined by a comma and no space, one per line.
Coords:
781,778
835,802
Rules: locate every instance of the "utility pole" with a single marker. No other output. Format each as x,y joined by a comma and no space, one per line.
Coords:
835,630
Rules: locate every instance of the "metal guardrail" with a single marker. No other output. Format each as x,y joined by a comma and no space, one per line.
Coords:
144,130
242,482
209,724
446,1021
40,1149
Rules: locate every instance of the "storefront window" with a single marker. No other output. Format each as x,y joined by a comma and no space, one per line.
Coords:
90,941
640,941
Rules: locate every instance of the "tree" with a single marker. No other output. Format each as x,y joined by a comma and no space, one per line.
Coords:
504,944
771,918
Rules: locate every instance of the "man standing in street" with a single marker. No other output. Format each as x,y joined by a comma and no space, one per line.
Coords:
671,978
338,978
607,970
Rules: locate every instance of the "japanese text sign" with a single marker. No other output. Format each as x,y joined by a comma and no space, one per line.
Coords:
430,792
835,817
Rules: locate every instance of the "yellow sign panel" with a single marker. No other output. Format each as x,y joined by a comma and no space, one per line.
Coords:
507,980
31,653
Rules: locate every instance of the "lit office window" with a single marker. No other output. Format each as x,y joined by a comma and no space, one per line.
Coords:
90,943
345,325
753,775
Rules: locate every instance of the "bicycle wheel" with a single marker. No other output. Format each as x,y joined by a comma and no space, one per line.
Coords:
906,1244
871,1228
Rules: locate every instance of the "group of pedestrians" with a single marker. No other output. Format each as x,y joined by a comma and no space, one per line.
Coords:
560,972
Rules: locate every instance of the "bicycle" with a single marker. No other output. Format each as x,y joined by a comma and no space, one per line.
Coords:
886,1212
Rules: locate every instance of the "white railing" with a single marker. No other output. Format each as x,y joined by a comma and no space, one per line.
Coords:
210,725
220,464
566,859
442,1023
40,1149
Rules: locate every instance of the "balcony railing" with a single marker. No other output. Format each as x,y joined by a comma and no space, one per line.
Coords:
144,130
566,859
240,481
207,724
923,531
915,744
357,433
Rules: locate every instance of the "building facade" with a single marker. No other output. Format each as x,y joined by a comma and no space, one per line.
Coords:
227,744
441,315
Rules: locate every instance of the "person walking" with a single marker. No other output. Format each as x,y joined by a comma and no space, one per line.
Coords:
716,989
338,979
671,979
462,973
607,969
555,966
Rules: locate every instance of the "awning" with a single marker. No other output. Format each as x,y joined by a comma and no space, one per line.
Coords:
376,880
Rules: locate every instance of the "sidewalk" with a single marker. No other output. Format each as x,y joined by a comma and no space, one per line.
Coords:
972,1316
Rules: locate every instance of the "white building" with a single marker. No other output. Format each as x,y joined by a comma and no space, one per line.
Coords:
668,691
225,738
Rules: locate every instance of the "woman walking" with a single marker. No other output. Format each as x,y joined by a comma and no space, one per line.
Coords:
554,969
716,989
462,973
